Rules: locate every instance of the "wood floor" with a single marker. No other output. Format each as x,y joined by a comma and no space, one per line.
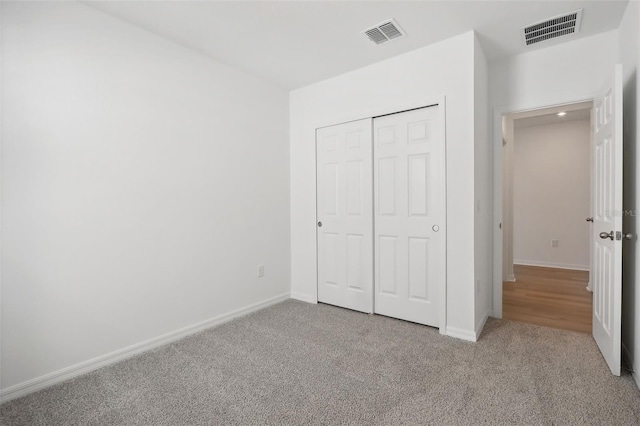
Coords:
549,297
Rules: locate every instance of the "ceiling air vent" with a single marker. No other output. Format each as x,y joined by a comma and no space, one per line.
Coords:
557,26
384,31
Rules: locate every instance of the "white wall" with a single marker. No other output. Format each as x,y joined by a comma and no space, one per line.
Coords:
559,74
628,54
568,72
483,181
141,185
407,80
551,194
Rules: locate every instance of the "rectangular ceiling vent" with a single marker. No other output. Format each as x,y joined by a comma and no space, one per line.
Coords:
384,32
557,26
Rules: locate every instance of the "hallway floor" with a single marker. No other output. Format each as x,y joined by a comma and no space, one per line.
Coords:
550,297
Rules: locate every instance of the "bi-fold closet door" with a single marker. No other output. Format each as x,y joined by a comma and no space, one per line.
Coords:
381,215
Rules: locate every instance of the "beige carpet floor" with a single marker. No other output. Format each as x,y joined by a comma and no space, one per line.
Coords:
302,364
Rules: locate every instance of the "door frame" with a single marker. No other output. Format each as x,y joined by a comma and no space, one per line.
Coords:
498,113
372,113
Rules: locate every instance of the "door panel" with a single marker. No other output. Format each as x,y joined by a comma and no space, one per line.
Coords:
387,262
345,239
409,215
418,270
418,184
607,261
356,262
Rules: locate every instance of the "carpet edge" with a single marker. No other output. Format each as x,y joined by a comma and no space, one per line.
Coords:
67,373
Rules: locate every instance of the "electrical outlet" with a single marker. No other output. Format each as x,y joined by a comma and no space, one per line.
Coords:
555,243
260,271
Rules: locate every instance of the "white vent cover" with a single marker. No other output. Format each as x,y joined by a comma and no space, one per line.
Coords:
551,28
384,31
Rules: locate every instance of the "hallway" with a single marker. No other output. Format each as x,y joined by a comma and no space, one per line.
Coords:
549,297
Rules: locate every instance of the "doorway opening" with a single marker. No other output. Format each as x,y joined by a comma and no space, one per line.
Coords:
607,235
547,205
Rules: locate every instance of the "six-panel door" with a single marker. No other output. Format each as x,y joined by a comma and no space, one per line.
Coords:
607,222
345,215
409,209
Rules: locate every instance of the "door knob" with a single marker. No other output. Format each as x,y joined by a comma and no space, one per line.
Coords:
604,235
589,219
628,236
319,224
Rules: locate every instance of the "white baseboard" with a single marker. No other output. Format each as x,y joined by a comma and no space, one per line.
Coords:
84,367
481,325
459,333
304,297
471,336
628,361
511,278
551,265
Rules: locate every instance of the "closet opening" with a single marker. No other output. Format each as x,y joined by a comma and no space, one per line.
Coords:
381,215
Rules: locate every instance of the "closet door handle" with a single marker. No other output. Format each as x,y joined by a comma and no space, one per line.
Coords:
319,224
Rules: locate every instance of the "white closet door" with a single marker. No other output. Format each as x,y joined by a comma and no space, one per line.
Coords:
345,215
409,218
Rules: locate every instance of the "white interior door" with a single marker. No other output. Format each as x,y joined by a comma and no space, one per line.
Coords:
409,196
607,222
345,215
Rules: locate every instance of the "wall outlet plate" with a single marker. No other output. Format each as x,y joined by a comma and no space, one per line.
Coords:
260,271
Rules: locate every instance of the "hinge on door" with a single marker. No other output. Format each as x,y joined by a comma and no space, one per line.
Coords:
618,235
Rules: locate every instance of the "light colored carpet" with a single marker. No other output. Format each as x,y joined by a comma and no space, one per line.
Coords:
300,364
